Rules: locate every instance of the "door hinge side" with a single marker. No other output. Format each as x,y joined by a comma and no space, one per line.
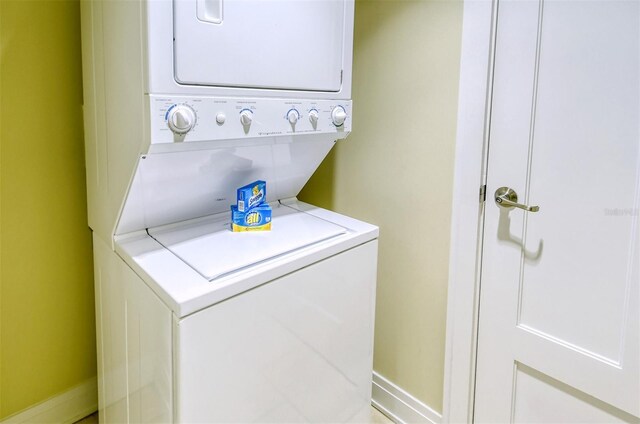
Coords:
483,193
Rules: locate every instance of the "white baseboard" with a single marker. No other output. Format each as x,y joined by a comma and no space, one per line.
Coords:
399,405
67,407
82,400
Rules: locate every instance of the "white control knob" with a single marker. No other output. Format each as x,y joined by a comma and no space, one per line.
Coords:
293,116
220,118
246,116
313,117
338,116
181,119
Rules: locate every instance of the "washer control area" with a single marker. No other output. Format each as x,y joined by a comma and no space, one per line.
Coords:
181,119
184,119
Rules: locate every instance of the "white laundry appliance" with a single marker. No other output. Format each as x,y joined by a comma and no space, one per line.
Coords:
185,101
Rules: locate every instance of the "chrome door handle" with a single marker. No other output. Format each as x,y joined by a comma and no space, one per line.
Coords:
508,199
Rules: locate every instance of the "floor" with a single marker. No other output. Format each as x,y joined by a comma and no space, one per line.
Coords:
375,417
378,417
91,419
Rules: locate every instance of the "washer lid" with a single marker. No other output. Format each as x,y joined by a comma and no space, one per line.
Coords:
209,247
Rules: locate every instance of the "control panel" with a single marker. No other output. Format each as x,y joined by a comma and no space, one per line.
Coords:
185,119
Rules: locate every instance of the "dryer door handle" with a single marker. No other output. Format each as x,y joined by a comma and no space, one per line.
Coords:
209,11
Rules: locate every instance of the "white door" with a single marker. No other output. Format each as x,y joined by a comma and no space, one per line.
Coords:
559,318
282,44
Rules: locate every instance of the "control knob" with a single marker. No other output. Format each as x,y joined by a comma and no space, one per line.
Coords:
313,117
338,116
293,116
181,119
246,117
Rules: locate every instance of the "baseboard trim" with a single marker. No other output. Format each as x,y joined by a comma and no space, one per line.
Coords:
67,407
82,400
400,406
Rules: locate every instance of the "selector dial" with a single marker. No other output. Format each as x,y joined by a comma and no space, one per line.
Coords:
293,116
246,117
181,119
338,116
313,117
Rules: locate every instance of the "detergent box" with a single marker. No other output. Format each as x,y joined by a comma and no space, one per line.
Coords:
251,195
256,219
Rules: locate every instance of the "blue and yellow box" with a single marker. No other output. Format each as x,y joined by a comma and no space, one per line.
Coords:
251,195
256,219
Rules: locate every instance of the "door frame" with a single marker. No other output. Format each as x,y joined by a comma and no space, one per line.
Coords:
470,170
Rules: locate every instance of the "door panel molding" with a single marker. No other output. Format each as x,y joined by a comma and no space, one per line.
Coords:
600,411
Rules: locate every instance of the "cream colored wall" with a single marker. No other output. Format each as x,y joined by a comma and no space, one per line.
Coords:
396,170
47,339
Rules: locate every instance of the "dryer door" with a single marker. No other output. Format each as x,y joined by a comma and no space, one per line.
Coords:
280,44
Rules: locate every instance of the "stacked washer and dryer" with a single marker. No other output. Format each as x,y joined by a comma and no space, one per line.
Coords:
185,101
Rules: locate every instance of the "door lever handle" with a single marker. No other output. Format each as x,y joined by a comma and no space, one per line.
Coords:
507,198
